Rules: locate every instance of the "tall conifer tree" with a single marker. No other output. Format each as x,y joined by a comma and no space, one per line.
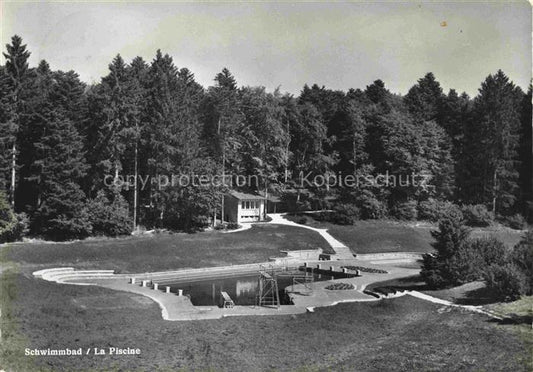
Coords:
17,71
489,168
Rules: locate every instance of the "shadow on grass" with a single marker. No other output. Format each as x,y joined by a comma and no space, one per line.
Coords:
410,283
458,295
514,319
479,296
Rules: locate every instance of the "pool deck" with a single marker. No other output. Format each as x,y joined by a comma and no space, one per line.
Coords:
305,299
179,308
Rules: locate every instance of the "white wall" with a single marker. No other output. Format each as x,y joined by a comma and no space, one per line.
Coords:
258,212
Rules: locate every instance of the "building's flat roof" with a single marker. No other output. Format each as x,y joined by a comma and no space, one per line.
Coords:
244,196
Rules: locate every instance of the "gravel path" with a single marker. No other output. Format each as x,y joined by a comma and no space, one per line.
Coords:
342,252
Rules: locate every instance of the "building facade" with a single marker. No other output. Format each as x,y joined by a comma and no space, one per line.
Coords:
242,207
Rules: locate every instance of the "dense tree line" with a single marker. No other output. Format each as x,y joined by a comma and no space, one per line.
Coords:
80,159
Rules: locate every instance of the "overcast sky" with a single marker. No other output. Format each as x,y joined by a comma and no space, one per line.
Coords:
339,45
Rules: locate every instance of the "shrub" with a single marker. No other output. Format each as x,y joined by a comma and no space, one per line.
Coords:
323,216
451,238
227,226
75,225
466,262
14,229
197,223
366,269
522,257
13,226
473,258
301,220
21,228
433,272
317,202
435,210
303,206
513,278
491,250
477,215
291,202
232,226
342,214
507,282
460,260
109,218
405,211
528,211
517,222
62,214
466,265
345,214
369,206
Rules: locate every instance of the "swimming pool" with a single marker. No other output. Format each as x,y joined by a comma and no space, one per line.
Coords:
243,290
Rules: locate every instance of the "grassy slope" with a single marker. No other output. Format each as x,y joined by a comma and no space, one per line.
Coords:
473,293
373,236
383,236
169,251
520,308
400,334
172,251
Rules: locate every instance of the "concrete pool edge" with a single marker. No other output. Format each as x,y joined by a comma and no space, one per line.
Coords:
179,308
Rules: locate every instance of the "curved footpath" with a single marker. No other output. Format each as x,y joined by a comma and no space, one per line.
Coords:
342,252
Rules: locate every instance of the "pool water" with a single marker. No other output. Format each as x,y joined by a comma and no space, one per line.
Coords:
243,290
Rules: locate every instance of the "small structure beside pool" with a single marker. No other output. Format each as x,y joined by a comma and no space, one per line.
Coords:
242,207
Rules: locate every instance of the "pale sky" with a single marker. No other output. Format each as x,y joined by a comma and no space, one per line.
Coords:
339,45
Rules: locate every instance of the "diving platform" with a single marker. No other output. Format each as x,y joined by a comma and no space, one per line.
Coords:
268,294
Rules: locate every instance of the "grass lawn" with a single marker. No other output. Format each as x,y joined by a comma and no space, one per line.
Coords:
402,334
473,293
167,251
377,236
383,236
520,311
399,334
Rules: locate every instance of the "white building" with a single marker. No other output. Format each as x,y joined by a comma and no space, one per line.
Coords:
242,207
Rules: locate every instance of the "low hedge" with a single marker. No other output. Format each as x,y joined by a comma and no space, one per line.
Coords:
340,286
434,210
366,269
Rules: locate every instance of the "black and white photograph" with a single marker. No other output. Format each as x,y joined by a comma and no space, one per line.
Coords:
249,186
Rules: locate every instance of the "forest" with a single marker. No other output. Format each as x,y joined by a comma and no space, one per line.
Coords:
61,139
